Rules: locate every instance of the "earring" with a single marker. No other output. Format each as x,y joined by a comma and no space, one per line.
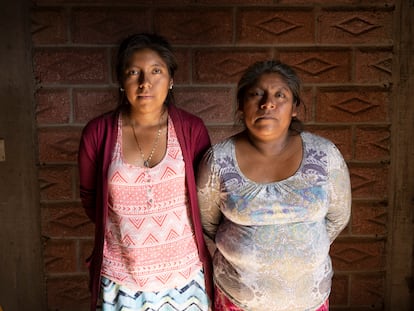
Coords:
171,86
121,89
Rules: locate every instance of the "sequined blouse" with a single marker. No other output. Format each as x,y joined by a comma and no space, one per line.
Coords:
270,241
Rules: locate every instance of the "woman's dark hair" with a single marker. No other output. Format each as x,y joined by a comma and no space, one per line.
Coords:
255,71
140,41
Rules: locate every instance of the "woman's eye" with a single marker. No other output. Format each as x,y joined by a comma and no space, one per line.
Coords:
156,70
256,94
280,95
133,72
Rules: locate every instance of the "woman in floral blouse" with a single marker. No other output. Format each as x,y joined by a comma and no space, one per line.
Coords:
273,198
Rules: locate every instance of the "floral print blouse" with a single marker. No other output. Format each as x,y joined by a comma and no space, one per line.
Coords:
270,241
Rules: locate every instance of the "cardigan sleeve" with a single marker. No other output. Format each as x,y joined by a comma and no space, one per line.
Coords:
88,170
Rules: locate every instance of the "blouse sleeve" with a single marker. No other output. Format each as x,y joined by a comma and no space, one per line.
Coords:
339,208
208,190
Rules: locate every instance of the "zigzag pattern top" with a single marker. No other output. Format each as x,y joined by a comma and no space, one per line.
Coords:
149,241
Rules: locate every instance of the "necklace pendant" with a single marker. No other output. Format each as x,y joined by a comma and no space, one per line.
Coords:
146,163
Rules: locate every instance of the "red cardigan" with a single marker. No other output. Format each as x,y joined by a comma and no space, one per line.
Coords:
95,151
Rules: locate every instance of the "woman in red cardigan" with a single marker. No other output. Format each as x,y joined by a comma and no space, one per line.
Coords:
136,171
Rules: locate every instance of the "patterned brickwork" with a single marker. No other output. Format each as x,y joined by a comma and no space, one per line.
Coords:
341,49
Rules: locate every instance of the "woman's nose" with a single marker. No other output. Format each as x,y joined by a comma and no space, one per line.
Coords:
143,81
268,103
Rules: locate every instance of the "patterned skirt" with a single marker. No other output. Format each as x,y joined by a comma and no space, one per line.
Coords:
191,297
222,303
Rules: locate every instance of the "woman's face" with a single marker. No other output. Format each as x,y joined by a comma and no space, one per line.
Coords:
268,107
146,81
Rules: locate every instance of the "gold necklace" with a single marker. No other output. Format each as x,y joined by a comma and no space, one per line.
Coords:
148,160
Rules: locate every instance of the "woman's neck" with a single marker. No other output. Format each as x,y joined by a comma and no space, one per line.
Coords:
273,147
138,119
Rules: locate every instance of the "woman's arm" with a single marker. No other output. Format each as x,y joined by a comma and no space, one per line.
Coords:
208,190
340,199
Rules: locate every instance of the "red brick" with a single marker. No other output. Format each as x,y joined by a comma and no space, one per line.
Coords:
369,218
108,25
275,25
60,256
224,66
319,66
358,255
65,220
372,144
52,106
339,291
58,144
55,183
86,247
306,108
356,27
373,66
352,105
213,105
90,103
67,65
195,26
68,293
340,136
370,181
184,60
218,133
49,26
368,290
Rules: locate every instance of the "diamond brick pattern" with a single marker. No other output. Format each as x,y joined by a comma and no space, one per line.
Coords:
53,107
261,25
65,220
108,25
58,145
321,66
68,293
369,218
195,26
368,290
198,101
358,255
372,143
369,182
60,256
70,66
352,106
373,66
90,103
223,66
358,27
48,26
55,183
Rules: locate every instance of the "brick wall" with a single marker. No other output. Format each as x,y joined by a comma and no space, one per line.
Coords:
342,50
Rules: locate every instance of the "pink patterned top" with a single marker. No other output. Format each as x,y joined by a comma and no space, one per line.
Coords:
149,241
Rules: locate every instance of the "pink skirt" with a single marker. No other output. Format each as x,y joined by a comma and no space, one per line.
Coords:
222,303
